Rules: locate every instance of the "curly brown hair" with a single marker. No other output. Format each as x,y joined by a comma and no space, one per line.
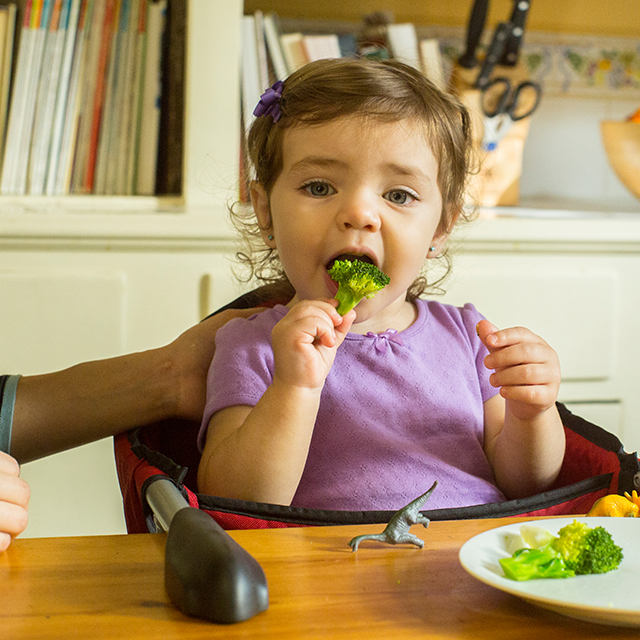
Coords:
378,90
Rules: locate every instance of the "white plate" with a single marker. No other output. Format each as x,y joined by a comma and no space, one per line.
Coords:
608,598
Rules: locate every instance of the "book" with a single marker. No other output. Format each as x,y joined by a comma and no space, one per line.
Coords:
431,62
19,124
62,95
60,172
403,43
147,159
97,101
88,86
135,105
251,89
294,51
318,47
105,142
274,48
171,135
261,50
119,160
10,13
46,97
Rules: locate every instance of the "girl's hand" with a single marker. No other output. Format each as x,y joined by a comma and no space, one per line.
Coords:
305,342
526,369
14,500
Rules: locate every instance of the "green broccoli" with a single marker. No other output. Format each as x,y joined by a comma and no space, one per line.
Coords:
586,550
576,550
356,279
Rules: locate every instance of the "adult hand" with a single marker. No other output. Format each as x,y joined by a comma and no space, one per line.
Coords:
14,500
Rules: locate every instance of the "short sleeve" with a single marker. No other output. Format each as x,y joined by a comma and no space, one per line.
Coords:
241,369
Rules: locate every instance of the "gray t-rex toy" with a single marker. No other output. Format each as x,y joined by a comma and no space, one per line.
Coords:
397,530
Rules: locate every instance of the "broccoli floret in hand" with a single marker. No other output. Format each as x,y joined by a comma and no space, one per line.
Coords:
356,280
577,550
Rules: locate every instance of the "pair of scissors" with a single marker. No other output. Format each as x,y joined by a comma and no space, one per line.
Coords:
504,103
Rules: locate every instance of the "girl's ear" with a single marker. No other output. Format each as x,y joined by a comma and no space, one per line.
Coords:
441,237
437,245
260,202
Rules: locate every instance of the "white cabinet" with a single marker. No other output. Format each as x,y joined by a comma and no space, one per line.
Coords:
93,287
76,287
574,281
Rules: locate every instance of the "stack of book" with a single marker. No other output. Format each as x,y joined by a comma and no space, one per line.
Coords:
84,113
270,53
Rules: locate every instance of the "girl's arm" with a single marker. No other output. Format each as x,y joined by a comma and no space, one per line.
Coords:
93,400
524,436
259,453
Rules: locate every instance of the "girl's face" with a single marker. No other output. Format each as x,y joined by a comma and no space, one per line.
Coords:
361,188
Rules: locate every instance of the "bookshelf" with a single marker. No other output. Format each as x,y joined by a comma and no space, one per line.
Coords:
211,127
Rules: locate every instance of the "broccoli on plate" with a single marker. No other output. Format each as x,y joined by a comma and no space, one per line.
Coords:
577,550
356,280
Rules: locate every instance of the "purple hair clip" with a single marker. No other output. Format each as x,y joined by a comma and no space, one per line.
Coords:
269,104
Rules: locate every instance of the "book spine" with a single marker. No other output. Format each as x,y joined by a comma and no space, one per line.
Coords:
151,100
62,96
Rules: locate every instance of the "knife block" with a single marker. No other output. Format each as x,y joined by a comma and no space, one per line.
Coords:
497,180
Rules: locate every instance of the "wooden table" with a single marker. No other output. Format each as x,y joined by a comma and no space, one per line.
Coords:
112,587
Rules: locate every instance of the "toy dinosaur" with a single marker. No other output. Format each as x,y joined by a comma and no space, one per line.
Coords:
397,530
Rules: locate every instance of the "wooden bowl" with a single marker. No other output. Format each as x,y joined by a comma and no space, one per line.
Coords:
622,144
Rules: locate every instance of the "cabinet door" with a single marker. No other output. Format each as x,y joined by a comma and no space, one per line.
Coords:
571,305
51,319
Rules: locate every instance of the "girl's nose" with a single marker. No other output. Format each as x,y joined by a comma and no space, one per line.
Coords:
359,212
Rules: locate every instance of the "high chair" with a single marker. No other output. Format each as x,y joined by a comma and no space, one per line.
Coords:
157,469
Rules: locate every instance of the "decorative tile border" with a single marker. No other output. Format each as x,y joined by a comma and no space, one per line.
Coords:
565,64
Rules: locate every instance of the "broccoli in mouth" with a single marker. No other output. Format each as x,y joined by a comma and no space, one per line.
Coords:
356,280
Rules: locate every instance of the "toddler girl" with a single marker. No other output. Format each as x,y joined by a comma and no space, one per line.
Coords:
367,159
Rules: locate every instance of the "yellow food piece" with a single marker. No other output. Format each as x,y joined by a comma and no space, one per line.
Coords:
615,506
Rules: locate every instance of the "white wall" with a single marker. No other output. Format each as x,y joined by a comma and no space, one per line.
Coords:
564,157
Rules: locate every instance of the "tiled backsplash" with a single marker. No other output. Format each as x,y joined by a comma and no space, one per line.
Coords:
566,64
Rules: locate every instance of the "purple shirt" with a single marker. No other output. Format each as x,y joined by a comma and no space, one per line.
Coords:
398,410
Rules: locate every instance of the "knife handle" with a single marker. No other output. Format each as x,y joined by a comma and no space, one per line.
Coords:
474,33
514,41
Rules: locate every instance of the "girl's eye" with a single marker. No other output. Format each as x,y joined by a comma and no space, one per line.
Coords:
400,196
319,189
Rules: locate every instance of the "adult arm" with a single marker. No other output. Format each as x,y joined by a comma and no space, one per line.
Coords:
89,401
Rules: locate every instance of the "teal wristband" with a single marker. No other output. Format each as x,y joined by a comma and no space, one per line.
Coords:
8,401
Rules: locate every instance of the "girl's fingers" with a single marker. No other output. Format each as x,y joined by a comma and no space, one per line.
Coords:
519,355
524,374
542,396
